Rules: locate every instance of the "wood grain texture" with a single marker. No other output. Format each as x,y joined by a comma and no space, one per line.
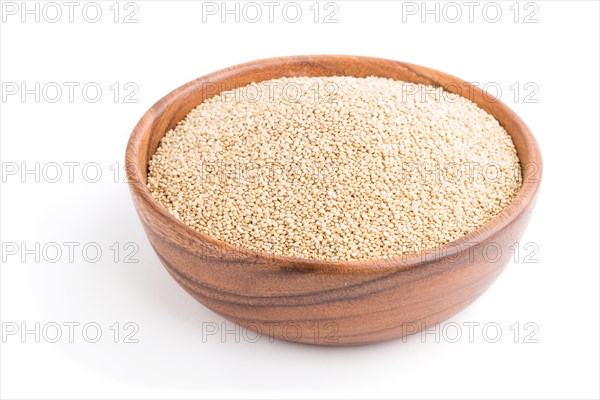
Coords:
328,303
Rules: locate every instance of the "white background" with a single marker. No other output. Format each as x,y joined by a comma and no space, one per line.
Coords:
558,56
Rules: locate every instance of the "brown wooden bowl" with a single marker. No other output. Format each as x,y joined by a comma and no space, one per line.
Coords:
328,303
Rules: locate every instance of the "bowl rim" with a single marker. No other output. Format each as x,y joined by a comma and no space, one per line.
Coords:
524,200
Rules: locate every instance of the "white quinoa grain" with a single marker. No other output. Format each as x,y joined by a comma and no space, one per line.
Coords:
336,168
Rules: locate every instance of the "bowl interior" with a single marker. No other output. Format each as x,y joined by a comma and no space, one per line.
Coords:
172,108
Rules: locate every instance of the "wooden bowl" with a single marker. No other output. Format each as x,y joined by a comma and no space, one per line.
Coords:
328,303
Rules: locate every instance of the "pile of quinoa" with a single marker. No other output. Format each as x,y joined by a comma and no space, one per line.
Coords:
336,168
